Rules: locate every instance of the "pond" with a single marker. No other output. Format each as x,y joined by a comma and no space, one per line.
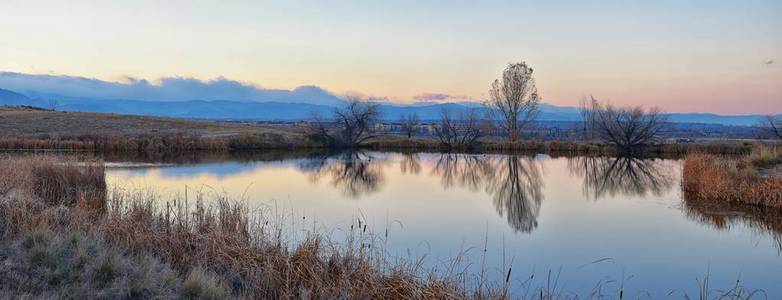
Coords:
568,223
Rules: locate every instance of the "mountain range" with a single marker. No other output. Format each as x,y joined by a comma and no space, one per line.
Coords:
226,99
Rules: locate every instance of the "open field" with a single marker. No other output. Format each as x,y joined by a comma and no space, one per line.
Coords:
39,123
38,129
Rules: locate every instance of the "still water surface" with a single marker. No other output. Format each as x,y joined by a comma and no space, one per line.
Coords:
590,221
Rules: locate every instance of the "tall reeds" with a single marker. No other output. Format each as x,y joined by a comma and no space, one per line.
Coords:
749,179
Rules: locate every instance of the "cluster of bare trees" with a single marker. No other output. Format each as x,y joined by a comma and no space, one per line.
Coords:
513,104
627,128
461,129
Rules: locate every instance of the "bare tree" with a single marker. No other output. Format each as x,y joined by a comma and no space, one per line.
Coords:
53,104
774,125
409,123
351,125
515,98
628,128
587,108
459,130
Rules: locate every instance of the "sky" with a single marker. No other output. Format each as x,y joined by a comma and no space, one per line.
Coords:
683,56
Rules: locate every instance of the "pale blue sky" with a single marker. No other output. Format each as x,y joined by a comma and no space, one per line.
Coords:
679,55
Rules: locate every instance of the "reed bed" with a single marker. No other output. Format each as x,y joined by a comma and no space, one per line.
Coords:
751,179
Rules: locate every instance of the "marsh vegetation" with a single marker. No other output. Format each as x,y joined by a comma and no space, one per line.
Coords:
124,243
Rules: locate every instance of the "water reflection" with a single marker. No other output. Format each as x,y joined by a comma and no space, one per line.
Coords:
469,171
455,201
629,176
514,182
517,191
724,216
355,173
410,164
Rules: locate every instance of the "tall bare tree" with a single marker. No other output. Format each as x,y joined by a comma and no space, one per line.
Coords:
587,109
628,128
409,123
352,124
774,125
53,104
459,130
515,98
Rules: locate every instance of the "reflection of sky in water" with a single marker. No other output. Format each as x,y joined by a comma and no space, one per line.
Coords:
543,213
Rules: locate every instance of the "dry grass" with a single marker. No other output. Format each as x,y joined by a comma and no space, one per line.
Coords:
30,129
734,179
247,254
45,265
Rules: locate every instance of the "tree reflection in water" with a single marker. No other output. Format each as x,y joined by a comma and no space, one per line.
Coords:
470,171
410,163
723,216
517,191
611,176
354,173
513,181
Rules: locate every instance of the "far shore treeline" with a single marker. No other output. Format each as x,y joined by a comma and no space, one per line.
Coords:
507,121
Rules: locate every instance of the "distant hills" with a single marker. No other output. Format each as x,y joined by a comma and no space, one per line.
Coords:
13,98
274,105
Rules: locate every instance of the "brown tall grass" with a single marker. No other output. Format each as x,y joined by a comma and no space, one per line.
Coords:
749,179
248,255
157,143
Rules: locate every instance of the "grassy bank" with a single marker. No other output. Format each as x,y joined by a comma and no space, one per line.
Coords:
34,129
158,144
64,235
752,179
